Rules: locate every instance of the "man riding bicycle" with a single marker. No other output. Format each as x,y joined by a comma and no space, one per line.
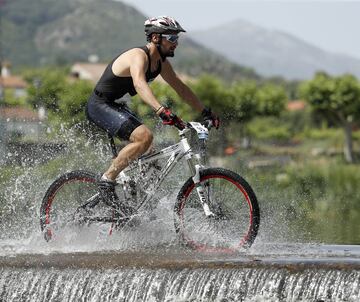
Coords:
130,73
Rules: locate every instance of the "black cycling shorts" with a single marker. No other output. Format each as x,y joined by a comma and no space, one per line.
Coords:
116,119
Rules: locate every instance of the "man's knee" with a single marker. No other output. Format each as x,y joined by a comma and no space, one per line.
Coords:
142,135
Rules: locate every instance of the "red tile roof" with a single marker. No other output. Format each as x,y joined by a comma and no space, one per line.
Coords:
88,71
12,82
296,105
19,114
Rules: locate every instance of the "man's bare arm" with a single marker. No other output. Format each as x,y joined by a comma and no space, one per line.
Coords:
137,70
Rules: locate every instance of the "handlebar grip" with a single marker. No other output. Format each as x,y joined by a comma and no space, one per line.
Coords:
208,124
179,123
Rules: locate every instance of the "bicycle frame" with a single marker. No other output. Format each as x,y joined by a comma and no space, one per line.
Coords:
174,154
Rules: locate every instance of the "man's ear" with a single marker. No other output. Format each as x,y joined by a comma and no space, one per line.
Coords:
155,38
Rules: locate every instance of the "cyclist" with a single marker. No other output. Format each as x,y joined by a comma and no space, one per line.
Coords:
130,73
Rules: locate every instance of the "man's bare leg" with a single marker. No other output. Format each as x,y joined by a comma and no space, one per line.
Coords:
140,141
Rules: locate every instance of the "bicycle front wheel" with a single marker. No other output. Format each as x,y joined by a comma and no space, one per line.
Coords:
63,199
235,217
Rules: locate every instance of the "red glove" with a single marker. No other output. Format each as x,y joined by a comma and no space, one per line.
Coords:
210,118
169,118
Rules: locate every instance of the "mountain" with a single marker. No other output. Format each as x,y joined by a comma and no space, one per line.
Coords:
41,32
272,52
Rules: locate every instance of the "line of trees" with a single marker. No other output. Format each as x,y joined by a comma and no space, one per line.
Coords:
237,103
335,100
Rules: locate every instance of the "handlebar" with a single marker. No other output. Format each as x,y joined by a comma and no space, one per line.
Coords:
181,125
172,119
169,118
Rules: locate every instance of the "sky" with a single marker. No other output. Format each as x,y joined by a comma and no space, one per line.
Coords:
331,25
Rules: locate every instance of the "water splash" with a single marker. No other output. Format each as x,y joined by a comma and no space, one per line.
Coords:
22,194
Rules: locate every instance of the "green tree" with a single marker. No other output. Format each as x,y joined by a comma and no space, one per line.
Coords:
271,100
73,101
243,102
249,100
338,100
11,100
213,93
64,100
45,87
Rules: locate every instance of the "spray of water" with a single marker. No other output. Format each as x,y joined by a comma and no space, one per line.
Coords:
23,192
76,149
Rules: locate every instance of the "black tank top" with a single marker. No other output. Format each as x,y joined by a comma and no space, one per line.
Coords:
113,87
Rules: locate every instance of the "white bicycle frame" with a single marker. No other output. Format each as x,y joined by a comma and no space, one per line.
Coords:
174,154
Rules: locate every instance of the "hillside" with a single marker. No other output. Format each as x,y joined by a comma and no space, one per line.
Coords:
44,32
273,52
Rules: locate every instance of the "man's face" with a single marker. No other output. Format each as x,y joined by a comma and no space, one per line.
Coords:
169,44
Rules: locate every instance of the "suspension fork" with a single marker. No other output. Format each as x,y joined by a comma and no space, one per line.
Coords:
195,170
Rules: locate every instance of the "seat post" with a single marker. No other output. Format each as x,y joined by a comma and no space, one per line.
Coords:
113,146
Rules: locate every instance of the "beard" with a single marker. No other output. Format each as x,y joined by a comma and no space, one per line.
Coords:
168,53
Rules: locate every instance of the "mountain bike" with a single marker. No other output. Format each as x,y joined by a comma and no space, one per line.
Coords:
215,209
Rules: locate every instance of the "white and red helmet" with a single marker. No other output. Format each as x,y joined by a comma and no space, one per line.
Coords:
162,25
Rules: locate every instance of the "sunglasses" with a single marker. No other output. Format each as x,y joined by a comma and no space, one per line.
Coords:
171,38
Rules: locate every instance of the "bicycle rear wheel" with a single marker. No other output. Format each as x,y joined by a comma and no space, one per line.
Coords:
63,199
232,201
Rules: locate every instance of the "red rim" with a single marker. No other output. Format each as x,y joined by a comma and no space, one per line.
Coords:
49,232
203,247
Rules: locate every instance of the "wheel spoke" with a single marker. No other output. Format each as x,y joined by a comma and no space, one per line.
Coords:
72,200
232,201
